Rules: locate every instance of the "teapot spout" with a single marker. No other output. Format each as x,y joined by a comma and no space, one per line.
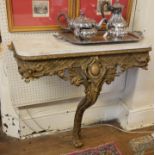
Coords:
99,25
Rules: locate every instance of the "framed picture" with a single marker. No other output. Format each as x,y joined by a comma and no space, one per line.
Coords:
98,8
36,15
91,8
40,8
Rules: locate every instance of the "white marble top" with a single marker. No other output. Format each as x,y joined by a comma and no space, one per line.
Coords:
44,46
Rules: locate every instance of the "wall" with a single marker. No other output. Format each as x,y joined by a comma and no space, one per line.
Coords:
138,97
49,104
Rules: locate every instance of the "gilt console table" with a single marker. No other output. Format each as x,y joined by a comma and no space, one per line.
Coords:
91,66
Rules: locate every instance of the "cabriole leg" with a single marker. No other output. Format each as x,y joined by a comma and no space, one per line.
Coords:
92,94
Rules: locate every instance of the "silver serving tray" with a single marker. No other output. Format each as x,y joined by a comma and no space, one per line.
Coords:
99,39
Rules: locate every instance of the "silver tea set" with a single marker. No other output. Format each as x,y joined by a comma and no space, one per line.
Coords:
85,28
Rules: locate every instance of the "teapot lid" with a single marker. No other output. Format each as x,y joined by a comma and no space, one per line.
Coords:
83,22
117,5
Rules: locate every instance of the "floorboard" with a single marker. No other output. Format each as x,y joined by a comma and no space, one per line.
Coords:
59,144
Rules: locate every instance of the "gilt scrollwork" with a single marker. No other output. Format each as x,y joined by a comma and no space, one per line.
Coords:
91,67
91,72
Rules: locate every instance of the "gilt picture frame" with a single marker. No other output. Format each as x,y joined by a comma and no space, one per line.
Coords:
36,15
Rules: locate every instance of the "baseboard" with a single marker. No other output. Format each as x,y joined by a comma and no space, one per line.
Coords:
63,121
136,118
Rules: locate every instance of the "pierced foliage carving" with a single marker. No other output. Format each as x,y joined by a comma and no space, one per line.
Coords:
80,69
91,71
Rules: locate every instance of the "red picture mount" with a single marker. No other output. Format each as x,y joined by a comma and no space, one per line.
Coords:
37,15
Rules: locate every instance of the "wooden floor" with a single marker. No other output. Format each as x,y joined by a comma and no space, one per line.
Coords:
59,144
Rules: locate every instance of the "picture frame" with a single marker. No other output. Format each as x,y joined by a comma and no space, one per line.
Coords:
36,15
90,8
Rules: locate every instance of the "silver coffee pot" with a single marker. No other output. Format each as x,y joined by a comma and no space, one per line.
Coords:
116,25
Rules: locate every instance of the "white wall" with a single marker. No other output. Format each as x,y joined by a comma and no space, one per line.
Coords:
58,115
138,97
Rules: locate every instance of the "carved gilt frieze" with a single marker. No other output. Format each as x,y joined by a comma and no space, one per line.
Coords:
90,71
78,70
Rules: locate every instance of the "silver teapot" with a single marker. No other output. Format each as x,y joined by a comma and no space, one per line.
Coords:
116,25
82,26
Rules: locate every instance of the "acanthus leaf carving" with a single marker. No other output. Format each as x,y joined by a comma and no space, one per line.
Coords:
82,68
91,72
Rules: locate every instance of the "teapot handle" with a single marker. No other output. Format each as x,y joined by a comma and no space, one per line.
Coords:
60,23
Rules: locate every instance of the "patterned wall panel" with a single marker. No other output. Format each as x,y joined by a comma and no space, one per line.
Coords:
43,90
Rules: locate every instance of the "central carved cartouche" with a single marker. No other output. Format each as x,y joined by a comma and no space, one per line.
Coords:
95,69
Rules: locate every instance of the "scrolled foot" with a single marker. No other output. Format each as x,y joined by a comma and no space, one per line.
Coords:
77,143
